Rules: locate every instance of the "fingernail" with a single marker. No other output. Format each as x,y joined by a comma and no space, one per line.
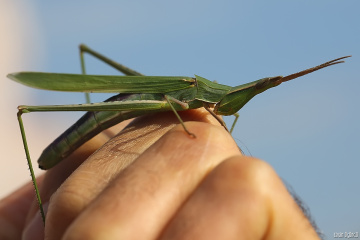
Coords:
35,229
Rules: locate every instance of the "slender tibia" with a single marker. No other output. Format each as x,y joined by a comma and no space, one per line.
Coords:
178,117
125,70
236,115
216,116
22,130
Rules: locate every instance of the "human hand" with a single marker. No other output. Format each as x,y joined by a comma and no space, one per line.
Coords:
153,181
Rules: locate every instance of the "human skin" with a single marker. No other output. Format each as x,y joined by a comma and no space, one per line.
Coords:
153,181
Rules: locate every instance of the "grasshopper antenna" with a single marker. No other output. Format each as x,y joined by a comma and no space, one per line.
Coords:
313,69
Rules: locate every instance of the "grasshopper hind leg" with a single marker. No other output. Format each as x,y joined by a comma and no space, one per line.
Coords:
32,174
125,70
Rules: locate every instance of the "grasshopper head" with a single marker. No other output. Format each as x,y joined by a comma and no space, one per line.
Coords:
240,95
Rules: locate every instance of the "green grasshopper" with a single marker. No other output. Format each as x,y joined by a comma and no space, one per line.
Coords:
139,95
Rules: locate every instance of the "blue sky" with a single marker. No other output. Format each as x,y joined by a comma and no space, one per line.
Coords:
307,129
